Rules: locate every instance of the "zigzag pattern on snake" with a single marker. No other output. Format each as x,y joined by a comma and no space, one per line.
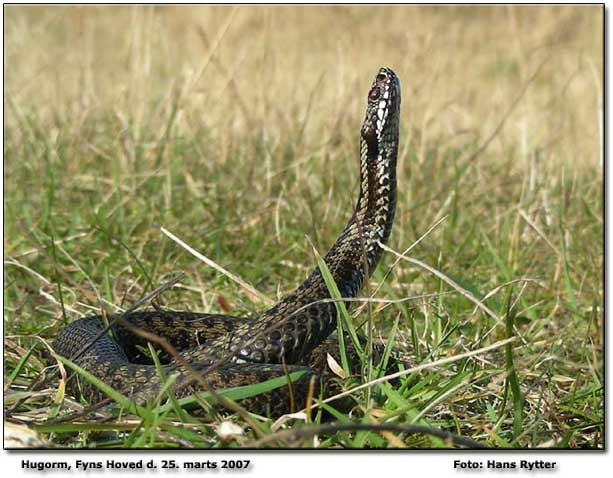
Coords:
292,335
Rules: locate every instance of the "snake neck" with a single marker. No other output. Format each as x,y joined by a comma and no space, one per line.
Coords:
357,251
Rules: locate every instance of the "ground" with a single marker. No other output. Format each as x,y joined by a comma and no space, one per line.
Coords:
237,130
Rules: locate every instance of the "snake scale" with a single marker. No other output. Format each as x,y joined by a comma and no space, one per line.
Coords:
293,335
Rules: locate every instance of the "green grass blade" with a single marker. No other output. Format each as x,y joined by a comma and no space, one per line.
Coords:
242,392
17,370
340,304
166,387
511,375
121,399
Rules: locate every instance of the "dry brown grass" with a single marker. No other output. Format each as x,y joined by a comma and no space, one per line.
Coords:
273,67
237,129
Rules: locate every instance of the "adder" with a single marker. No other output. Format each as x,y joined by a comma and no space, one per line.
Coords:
291,336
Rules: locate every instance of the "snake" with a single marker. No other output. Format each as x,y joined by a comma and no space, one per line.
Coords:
294,335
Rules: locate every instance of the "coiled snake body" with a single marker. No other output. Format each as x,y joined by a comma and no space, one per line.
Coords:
290,336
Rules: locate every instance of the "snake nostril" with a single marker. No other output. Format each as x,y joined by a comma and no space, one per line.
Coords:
381,77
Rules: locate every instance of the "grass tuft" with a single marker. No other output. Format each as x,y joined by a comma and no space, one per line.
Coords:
243,148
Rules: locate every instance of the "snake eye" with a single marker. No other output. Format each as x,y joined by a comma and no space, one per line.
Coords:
381,77
374,93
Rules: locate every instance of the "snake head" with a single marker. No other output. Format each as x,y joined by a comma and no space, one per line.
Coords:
383,106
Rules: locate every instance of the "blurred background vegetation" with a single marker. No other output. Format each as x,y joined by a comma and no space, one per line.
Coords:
237,128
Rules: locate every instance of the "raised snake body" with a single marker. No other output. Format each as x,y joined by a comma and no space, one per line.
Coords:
287,337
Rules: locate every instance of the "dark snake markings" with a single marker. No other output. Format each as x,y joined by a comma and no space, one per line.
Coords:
288,333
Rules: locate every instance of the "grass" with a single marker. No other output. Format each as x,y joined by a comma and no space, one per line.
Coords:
237,130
